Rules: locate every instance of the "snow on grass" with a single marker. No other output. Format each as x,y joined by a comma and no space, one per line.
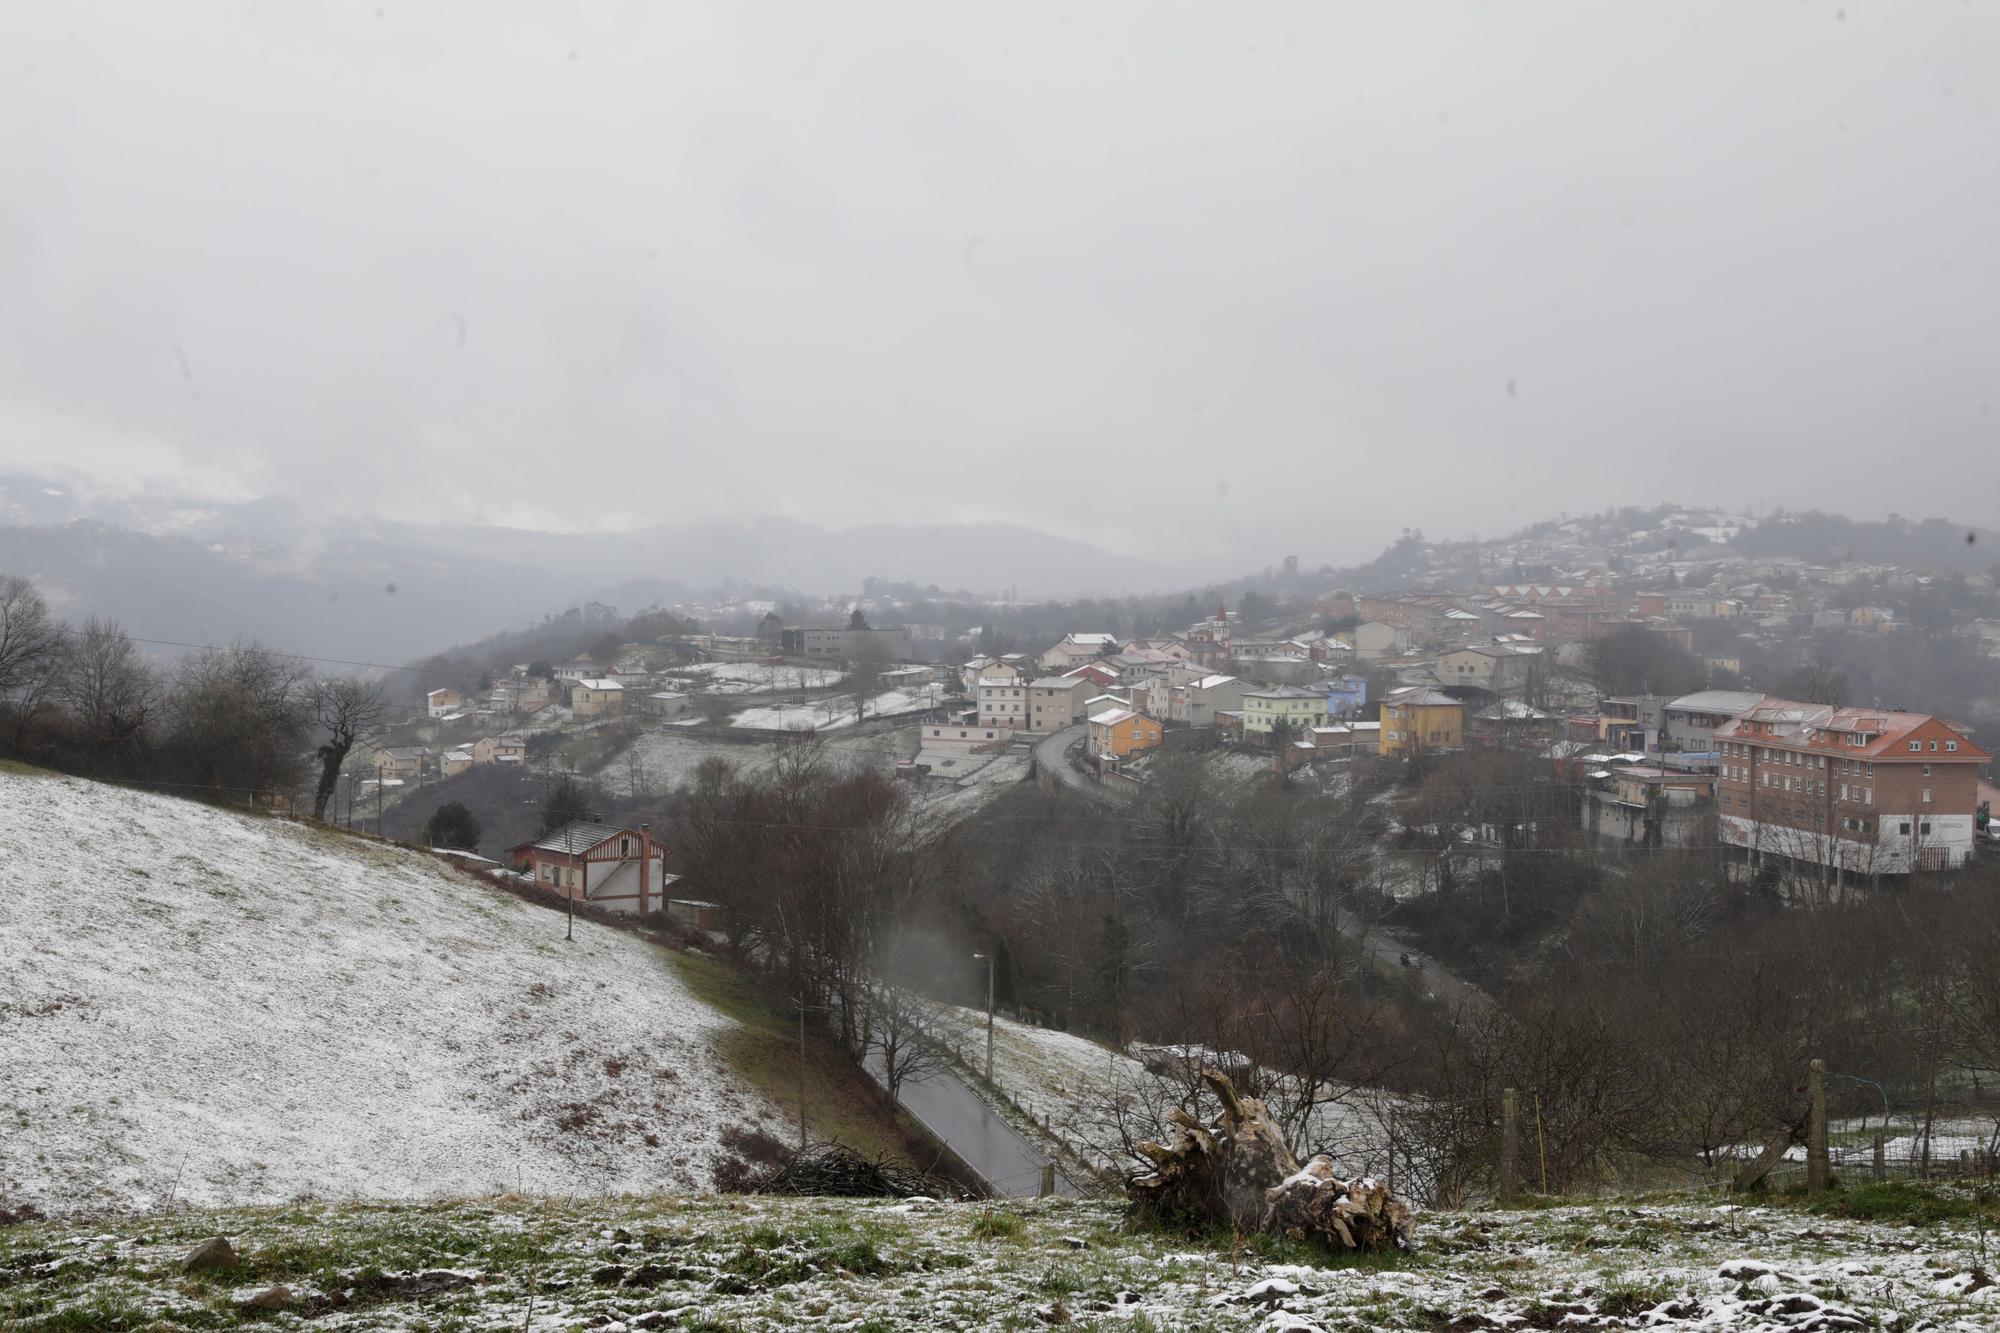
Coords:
974,790
659,761
1093,1098
228,1008
833,711
771,1264
756,677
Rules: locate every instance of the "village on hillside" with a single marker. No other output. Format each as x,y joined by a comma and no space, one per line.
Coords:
1622,681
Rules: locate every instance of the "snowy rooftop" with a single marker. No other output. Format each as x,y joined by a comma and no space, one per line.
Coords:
577,836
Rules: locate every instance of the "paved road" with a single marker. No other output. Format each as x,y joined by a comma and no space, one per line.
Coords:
1051,757
1389,950
991,1146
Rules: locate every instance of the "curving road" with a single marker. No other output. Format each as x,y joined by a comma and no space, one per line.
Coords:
1001,1155
1388,950
1051,756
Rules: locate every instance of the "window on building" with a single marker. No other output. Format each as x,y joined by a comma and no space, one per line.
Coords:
1927,796
1951,745
1916,745
1903,827
1924,827
1933,745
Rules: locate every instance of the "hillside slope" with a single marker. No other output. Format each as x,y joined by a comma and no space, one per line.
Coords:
237,1009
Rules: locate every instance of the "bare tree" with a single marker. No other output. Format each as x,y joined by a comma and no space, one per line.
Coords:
864,675
238,719
342,708
30,645
1816,682
897,1027
107,691
28,633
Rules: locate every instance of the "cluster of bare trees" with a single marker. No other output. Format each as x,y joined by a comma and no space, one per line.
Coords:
1669,1025
828,878
1655,1007
1203,928
232,723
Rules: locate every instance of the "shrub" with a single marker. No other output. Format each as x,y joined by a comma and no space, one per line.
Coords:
453,826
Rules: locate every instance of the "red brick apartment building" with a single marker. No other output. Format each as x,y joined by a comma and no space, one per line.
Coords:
1868,791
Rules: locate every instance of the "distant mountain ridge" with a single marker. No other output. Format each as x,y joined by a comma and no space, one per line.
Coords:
389,592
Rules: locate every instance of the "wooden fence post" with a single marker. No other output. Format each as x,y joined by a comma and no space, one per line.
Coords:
1817,1164
1881,1159
1048,1185
1510,1144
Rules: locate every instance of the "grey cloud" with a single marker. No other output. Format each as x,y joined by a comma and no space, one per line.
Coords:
1128,273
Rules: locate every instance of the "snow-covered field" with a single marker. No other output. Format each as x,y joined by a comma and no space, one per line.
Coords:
877,1265
224,1008
834,711
962,793
756,677
1225,767
1093,1098
659,761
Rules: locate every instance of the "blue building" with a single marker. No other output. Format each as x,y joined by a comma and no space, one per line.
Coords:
1345,695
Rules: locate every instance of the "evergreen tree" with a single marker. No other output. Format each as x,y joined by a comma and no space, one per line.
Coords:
564,802
453,826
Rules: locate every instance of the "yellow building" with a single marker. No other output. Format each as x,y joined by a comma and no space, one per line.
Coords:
596,698
1416,721
1119,732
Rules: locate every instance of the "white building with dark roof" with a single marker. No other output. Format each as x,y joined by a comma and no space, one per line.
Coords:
617,869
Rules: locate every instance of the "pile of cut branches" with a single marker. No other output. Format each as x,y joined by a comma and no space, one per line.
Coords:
835,1171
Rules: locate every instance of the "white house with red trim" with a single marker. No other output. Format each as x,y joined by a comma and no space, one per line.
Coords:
618,869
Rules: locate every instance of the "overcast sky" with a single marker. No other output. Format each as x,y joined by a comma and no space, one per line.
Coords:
1243,279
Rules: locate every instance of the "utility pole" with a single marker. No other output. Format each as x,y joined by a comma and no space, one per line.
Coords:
989,960
1817,1165
569,880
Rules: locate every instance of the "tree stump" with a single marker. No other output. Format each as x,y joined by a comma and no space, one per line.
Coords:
1240,1172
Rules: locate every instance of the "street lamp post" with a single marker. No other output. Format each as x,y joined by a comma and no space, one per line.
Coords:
988,958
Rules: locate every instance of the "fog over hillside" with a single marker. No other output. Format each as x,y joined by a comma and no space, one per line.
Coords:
387,591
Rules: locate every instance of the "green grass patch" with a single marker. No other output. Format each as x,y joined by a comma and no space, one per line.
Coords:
103,1314
1907,1201
842,1102
1624,1299
998,1226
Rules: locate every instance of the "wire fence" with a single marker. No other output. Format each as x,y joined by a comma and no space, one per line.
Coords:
1884,1157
